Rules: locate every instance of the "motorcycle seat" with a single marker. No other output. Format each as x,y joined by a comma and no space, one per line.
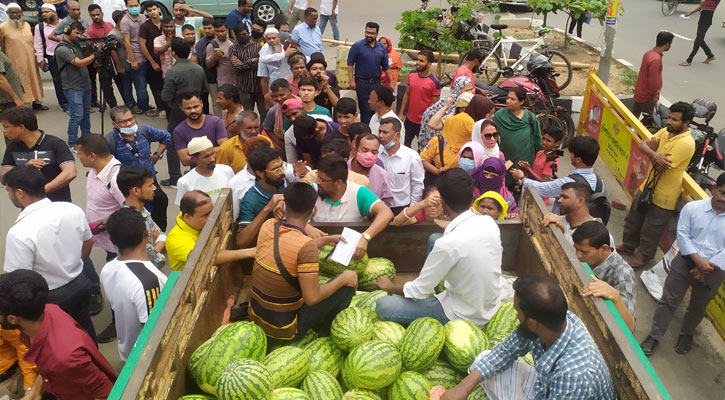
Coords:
499,26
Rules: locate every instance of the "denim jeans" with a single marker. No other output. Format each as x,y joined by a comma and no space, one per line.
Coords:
333,23
364,87
432,241
138,77
123,82
404,311
79,108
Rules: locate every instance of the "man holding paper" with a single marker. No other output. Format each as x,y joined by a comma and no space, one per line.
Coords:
467,257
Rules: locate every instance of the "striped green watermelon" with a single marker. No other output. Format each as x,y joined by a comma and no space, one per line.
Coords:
300,341
196,397
410,385
288,394
325,356
329,267
368,302
351,327
422,343
503,323
464,341
359,394
477,394
321,385
230,342
389,331
244,379
372,365
441,373
288,365
377,267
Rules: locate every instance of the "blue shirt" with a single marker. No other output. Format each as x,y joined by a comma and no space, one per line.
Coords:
235,18
254,202
701,230
138,151
369,62
310,39
572,368
553,188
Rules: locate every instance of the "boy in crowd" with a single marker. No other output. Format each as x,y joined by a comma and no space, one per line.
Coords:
346,111
309,89
544,170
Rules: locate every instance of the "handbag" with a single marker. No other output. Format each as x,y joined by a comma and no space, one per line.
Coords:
646,197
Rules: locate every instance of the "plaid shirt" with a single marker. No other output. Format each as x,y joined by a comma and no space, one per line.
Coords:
619,275
572,368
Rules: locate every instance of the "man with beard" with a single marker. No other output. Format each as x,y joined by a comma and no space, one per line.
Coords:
670,151
98,29
276,123
573,205
567,362
197,124
245,60
16,40
329,89
45,49
181,12
162,48
259,202
367,60
228,98
208,176
232,152
423,90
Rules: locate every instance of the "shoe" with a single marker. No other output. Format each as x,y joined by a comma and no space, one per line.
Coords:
109,334
162,114
96,305
96,105
639,262
63,107
39,107
73,148
648,345
152,113
709,60
168,183
684,344
136,110
685,64
624,249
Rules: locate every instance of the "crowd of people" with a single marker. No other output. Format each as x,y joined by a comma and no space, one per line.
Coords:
252,107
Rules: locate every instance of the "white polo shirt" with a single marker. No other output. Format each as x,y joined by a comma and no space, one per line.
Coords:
47,238
354,205
211,185
406,173
129,300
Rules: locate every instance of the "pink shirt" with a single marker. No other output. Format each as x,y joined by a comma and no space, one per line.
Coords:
50,45
167,60
379,183
96,31
422,91
103,198
463,71
541,167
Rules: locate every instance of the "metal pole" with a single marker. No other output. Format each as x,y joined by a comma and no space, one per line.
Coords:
610,31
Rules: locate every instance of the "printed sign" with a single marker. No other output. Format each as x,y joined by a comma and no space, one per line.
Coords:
612,9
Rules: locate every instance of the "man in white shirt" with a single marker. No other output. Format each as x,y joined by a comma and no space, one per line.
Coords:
403,165
381,103
131,281
50,238
208,176
467,256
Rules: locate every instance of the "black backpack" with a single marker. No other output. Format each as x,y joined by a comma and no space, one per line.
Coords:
599,206
111,140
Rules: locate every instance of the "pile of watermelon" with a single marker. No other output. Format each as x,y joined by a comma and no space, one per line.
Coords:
368,269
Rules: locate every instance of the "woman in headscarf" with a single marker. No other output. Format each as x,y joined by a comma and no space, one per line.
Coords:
485,133
471,156
462,84
393,60
490,176
492,204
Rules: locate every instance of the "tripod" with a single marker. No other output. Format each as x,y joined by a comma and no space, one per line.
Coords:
106,71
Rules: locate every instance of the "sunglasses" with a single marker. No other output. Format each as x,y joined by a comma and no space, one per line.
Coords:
490,136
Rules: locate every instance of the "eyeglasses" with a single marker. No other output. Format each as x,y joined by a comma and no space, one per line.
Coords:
490,136
320,180
279,169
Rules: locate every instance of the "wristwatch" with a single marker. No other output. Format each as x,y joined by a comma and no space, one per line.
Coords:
156,153
366,236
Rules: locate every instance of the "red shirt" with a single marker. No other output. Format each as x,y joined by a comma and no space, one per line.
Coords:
463,71
649,81
69,362
96,31
422,90
541,167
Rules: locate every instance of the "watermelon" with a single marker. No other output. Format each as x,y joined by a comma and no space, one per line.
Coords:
230,342
300,341
464,341
440,287
196,397
244,379
359,394
325,356
422,343
410,385
372,365
321,385
288,365
368,301
388,331
503,323
377,267
288,394
441,373
477,394
329,267
351,327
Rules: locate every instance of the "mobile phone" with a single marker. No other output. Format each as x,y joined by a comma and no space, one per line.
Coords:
219,51
509,164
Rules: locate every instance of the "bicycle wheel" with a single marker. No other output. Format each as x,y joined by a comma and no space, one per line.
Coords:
669,7
562,66
547,121
564,115
489,72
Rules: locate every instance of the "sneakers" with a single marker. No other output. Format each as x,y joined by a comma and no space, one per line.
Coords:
648,345
73,148
168,183
684,344
96,304
109,334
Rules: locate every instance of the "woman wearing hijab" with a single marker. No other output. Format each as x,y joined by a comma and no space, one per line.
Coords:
519,129
485,133
471,156
462,84
490,176
393,60
492,204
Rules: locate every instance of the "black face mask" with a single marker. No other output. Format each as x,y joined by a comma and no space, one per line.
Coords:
256,34
243,39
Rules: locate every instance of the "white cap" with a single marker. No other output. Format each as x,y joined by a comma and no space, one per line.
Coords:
49,7
271,31
13,5
199,144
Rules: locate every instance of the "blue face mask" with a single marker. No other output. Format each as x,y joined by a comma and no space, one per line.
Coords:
467,164
388,145
134,10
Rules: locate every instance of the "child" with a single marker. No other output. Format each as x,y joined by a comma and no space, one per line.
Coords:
345,113
542,170
492,204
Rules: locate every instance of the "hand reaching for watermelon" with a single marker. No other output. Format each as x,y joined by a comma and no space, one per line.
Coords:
455,393
349,278
361,250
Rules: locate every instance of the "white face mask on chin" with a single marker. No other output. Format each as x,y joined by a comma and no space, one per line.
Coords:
131,130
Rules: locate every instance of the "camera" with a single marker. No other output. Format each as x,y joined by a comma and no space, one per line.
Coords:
104,44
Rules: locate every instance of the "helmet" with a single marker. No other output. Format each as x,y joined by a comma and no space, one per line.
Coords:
539,64
705,108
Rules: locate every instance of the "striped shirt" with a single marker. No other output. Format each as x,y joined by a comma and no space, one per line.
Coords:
274,303
247,79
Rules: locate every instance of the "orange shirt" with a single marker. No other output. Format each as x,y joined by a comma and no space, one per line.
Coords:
12,351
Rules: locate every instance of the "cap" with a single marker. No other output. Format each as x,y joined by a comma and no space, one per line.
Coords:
291,104
271,31
49,7
199,144
13,5
464,99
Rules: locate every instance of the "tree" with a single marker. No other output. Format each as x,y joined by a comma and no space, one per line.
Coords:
574,8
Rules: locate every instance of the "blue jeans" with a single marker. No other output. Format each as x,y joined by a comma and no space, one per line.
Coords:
333,23
79,108
139,82
364,87
432,241
404,311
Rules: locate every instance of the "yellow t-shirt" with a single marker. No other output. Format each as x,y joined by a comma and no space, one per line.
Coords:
231,153
179,243
431,153
669,187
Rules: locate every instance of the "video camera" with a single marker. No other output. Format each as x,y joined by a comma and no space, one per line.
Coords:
104,45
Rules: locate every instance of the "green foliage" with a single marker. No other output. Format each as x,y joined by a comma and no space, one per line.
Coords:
575,8
627,76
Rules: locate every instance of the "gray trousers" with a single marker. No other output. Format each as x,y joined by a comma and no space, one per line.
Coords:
295,17
676,285
643,231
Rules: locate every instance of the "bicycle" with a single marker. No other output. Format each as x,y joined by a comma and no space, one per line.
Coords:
496,62
669,7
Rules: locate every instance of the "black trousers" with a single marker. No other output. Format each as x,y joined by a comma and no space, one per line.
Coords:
174,117
106,86
411,131
579,23
156,83
57,84
74,298
319,317
159,205
700,42
248,100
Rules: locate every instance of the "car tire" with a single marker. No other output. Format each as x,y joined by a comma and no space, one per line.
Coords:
266,10
28,5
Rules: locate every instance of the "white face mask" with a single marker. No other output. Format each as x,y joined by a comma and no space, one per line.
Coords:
131,130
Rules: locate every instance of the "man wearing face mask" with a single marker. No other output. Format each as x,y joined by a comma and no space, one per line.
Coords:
45,50
403,165
137,63
245,59
366,162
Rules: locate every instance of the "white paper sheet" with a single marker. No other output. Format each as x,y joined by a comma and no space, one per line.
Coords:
344,250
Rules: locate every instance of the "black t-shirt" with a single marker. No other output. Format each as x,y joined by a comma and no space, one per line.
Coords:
54,151
707,12
336,135
323,99
149,31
